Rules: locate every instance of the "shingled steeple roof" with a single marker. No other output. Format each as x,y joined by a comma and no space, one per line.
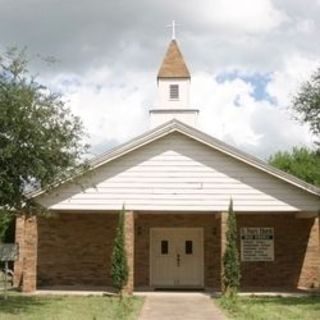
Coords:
173,65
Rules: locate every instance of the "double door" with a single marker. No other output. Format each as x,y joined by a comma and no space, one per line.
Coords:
176,257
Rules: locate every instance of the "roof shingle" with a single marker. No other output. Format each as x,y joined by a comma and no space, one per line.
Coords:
173,65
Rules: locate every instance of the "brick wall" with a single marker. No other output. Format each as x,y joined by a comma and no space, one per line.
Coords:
297,258
29,282
25,268
223,220
129,221
75,249
19,239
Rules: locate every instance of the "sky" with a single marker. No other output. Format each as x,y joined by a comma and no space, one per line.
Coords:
247,59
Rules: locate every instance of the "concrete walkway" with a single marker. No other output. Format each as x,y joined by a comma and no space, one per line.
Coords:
180,307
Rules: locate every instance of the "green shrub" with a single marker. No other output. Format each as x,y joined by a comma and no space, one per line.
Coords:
119,263
231,264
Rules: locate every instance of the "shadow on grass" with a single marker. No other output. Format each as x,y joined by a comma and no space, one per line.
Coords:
254,307
288,301
16,303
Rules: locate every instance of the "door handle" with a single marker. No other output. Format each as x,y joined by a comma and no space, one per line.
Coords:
178,260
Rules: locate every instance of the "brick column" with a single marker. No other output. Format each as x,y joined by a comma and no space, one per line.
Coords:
19,240
224,226
30,254
310,268
129,241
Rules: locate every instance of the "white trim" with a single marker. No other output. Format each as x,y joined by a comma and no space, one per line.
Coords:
172,111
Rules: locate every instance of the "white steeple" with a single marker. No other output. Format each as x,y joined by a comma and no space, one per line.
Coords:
173,101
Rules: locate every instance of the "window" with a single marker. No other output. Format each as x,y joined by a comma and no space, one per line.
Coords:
189,247
174,91
164,247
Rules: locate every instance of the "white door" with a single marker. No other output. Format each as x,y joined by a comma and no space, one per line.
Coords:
176,257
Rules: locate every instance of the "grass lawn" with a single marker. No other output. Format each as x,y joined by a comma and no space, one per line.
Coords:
275,308
19,307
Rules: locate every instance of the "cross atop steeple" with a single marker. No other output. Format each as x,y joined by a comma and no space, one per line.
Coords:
173,26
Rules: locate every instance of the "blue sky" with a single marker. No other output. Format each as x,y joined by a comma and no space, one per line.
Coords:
258,81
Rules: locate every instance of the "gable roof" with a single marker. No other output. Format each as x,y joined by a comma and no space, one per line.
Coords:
177,126
173,65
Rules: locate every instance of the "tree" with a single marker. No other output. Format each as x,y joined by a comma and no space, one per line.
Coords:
231,264
300,162
119,262
307,104
7,227
5,221
40,139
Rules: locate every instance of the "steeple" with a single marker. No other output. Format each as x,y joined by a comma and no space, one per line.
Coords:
173,82
173,65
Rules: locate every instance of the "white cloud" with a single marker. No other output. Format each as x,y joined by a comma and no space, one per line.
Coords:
110,54
220,113
230,113
251,16
305,25
286,81
112,108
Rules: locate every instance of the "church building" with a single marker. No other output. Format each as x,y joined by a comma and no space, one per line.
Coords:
176,183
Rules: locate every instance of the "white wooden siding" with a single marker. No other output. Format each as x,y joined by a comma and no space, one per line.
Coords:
180,174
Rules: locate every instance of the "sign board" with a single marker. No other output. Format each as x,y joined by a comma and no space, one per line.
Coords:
8,252
257,244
